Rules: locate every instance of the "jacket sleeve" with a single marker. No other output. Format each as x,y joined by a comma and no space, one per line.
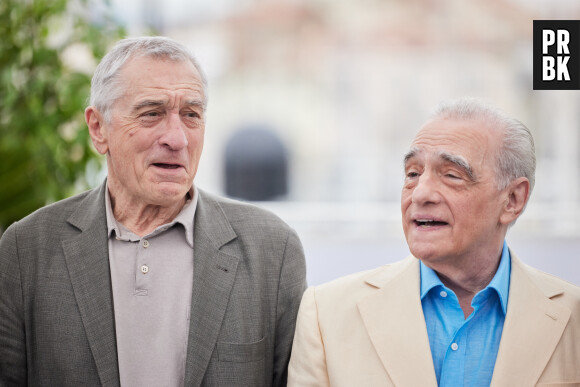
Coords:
291,287
12,336
308,361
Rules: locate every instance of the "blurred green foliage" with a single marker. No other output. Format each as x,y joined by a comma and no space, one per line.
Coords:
44,144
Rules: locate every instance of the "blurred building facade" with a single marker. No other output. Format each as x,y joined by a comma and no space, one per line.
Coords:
346,85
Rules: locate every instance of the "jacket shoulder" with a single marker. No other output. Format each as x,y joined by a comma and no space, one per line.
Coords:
353,287
243,214
56,213
555,288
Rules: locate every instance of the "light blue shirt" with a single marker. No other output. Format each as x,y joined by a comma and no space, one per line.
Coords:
464,350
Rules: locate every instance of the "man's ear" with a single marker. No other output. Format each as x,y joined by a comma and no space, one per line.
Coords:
96,123
518,193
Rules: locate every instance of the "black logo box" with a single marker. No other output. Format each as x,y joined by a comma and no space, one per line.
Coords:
573,28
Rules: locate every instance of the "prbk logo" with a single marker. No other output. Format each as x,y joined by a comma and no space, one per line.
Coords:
556,55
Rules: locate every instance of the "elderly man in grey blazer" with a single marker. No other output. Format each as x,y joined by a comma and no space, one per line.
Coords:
147,280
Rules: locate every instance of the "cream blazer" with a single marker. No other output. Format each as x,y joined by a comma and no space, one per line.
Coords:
368,329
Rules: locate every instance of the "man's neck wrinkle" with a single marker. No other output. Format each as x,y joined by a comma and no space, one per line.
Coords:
466,286
143,219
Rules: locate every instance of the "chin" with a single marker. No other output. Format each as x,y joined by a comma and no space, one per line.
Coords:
169,196
423,251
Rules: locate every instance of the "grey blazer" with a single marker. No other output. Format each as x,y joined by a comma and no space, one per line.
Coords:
57,323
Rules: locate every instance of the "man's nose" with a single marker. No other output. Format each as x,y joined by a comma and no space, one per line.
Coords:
427,189
173,135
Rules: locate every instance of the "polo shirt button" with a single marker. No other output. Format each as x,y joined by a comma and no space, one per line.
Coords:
454,346
145,243
144,269
443,294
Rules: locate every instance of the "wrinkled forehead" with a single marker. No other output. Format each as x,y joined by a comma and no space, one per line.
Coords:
152,74
472,141
138,64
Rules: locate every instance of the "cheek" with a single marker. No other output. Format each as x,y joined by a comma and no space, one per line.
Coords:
195,141
124,137
132,153
406,195
139,140
475,214
405,203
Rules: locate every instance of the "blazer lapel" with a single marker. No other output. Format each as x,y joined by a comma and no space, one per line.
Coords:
532,329
394,320
214,273
88,266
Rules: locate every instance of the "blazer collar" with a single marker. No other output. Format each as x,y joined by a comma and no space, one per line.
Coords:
394,320
211,220
532,328
214,272
87,260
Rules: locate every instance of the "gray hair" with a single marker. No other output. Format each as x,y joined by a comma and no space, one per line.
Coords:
106,86
516,157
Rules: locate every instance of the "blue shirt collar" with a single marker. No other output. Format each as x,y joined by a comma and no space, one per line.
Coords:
500,281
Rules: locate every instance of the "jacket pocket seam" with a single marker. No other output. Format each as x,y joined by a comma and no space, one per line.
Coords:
241,352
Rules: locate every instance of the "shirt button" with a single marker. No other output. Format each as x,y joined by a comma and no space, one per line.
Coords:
144,269
454,346
443,294
145,243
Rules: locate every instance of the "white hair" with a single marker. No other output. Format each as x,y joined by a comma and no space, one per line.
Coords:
106,86
516,156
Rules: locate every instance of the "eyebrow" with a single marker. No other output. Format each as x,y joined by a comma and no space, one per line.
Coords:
410,154
156,103
148,103
195,102
458,161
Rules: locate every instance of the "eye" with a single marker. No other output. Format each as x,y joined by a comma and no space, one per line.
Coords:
150,117
191,118
150,114
412,174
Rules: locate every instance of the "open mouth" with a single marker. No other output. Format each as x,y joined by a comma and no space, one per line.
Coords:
429,223
167,166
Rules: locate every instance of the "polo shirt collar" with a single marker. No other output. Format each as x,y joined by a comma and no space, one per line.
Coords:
185,218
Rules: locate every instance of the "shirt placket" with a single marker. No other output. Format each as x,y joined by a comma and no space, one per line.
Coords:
453,367
143,269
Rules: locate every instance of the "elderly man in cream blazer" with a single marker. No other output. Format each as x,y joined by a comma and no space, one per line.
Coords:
462,310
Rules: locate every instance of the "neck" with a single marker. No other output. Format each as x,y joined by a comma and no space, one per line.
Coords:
141,218
467,279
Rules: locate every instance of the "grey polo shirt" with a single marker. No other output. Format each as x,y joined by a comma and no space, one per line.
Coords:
152,278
